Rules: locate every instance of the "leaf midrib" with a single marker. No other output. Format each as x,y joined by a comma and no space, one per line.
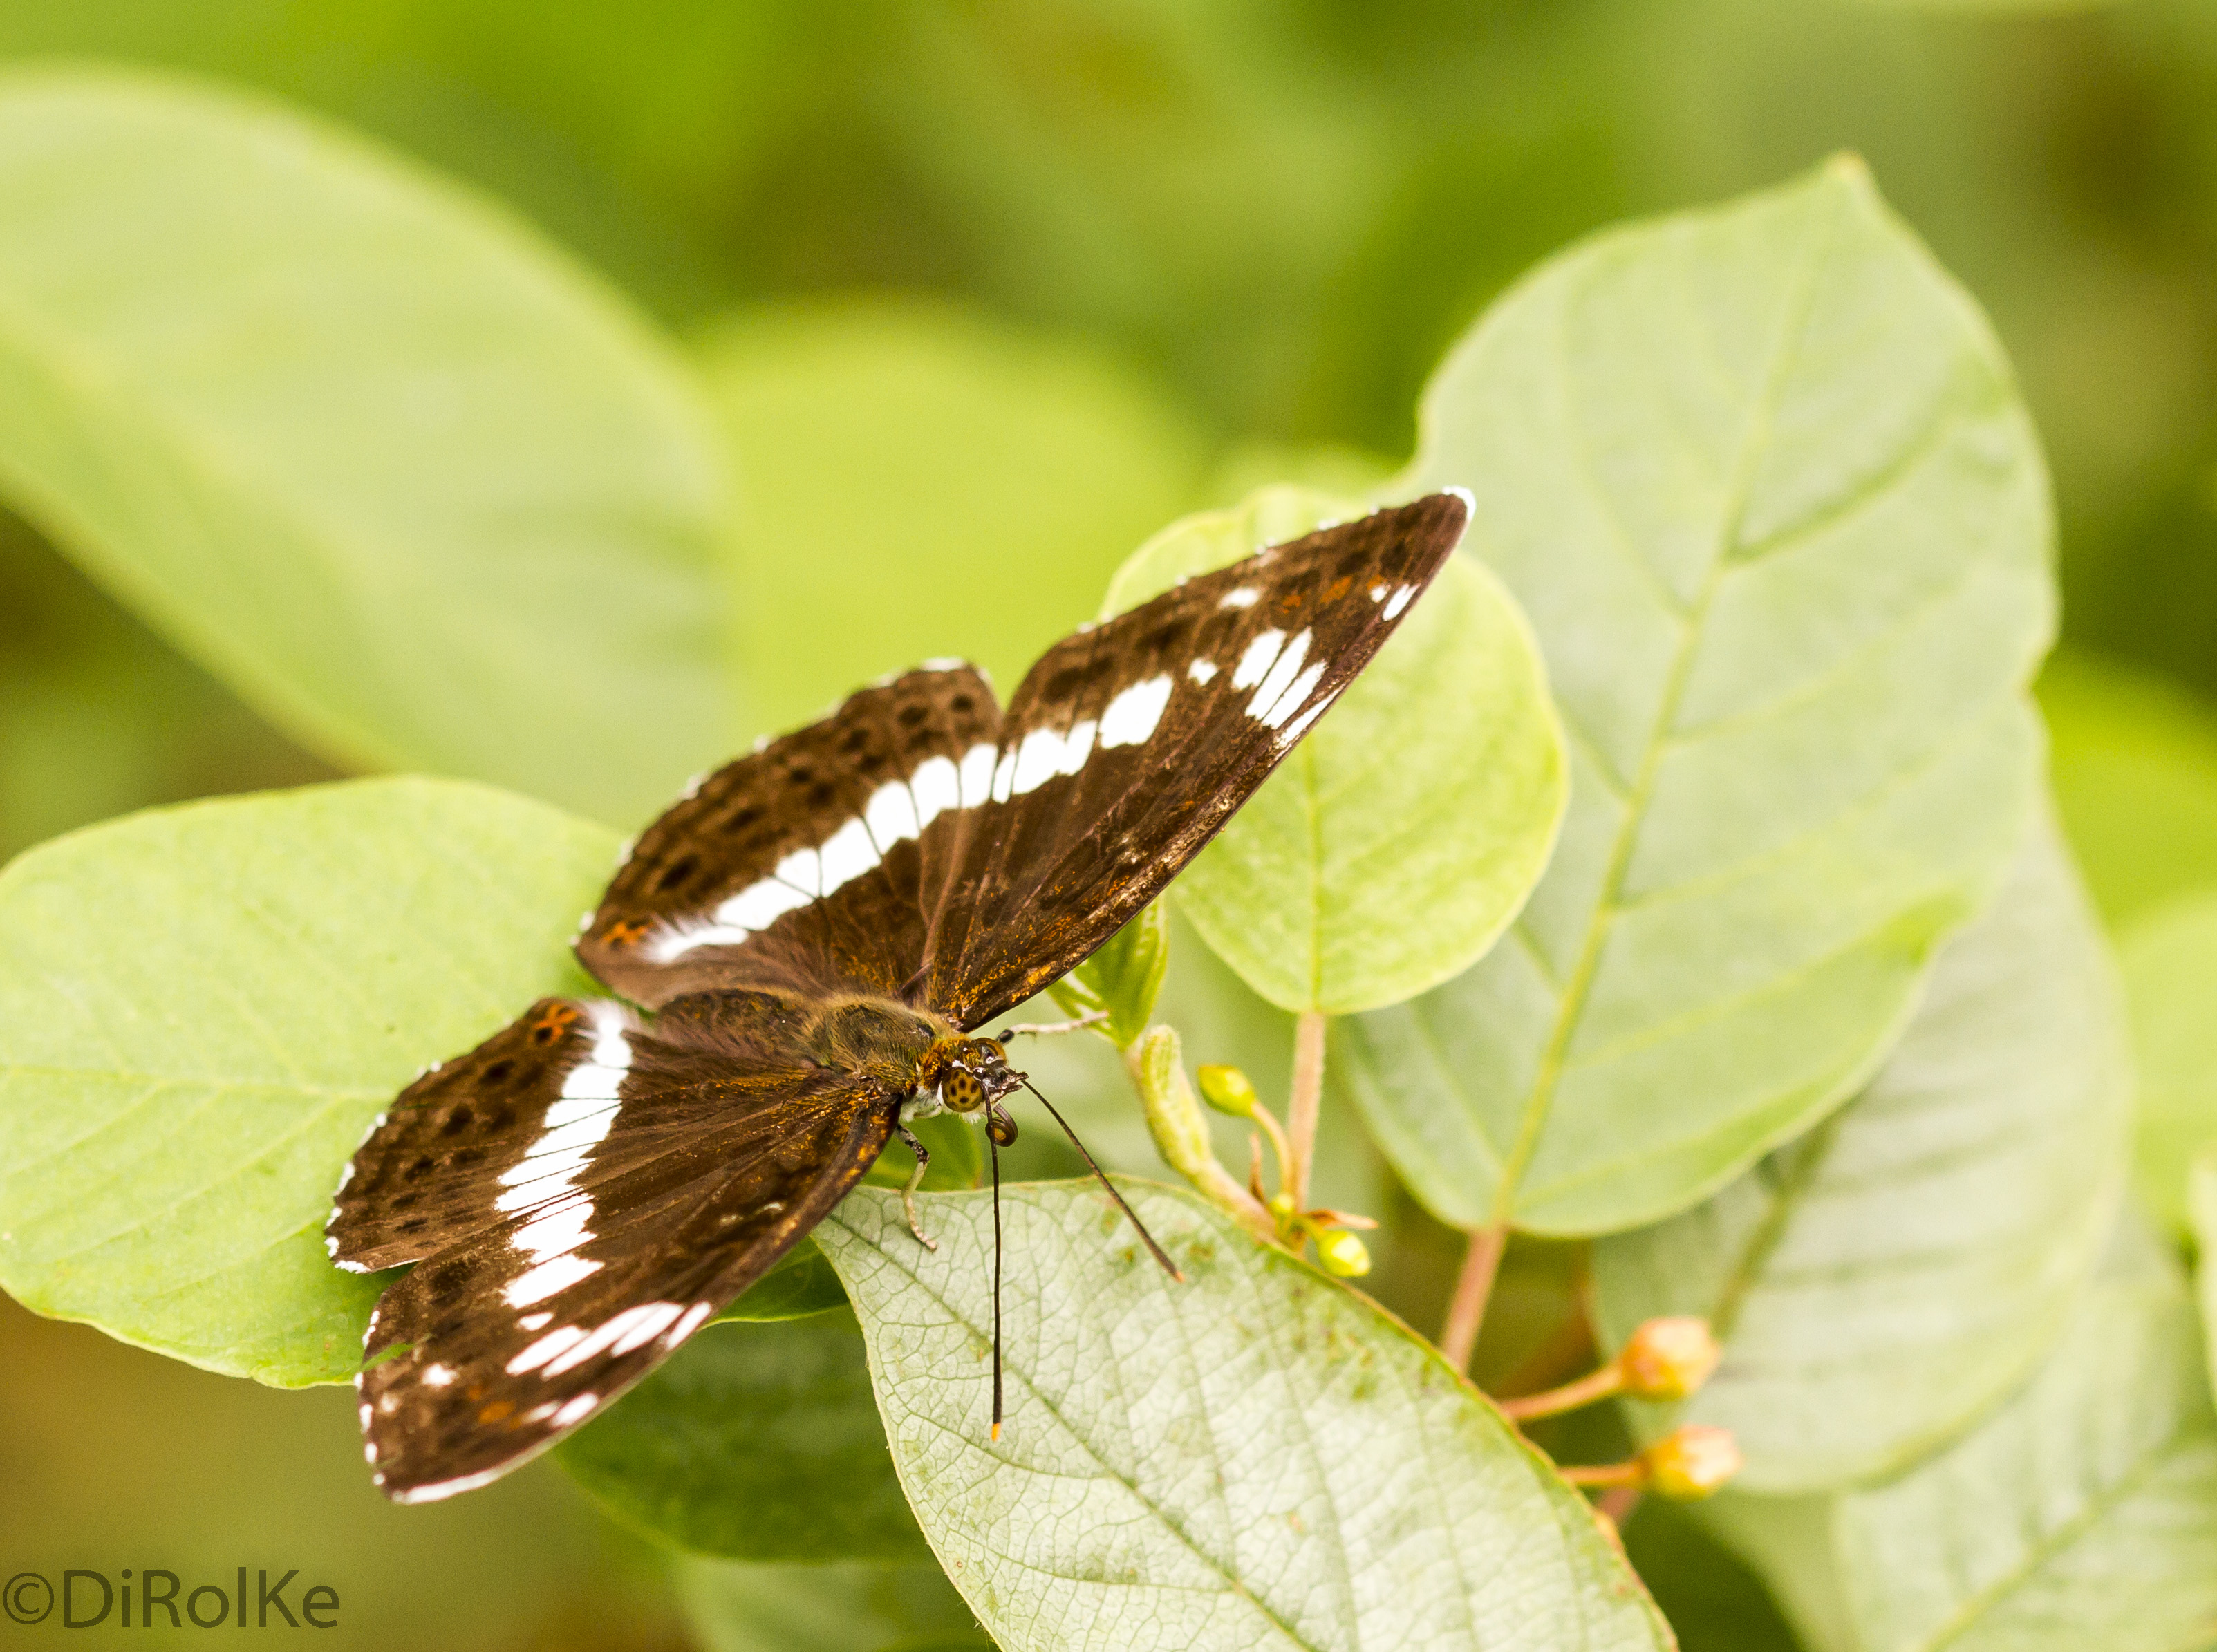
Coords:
1691,620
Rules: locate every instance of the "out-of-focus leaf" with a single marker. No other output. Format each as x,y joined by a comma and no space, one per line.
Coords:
383,460
2134,762
801,1284
1122,978
1399,838
2082,1514
1882,1282
1714,1602
833,1606
2202,1218
920,482
957,1158
2170,959
1759,477
1789,1542
756,1442
1254,1457
201,1009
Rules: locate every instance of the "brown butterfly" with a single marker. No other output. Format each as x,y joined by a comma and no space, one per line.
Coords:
808,941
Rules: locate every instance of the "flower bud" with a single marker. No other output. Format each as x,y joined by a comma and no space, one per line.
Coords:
1692,1462
1227,1090
1345,1256
1668,1358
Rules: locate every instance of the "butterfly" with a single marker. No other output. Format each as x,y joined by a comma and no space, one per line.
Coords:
802,950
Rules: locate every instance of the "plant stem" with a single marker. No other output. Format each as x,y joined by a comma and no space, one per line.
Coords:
1619,1504
1595,1385
1271,1127
1157,1065
1307,1100
1631,1473
1466,1310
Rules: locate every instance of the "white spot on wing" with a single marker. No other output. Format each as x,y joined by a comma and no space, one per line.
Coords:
448,1488
1300,725
556,1274
1377,593
532,1322
976,774
1401,596
575,1410
1280,676
847,855
890,814
1294,697
545,1349
1255,664
936,787
1131,716
1202,670
685,1327
437,1374
1244,597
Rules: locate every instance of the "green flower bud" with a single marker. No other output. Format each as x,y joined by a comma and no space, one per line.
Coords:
1345,1256
1227,1090
1668,1358
1692,1463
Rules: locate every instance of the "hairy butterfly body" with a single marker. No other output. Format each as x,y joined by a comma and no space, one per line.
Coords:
811,937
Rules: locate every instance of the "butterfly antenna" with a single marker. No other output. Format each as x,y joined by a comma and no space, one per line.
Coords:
993,1142
1161,1255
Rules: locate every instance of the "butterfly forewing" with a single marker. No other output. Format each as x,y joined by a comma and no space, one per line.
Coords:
601,1248
808,866
1127,746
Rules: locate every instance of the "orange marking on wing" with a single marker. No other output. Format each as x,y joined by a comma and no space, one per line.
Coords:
626,932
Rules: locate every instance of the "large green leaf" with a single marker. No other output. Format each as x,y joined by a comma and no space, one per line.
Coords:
922,482
382,458
2083,1514
838,1606
2170,959
1255,1458
1403,832
758,1442
202,1007
1882,1282
2201,1215
1760,479
2135,762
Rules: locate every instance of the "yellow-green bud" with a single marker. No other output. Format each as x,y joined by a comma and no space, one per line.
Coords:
1692,1462
1345,1256
1227,1090
1668,1358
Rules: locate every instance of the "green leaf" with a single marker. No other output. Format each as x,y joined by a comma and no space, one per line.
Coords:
2083,1514
957,1156
2202,1214
920,481
1255,1458
381,458
849,1606
1122,978
1714,1602
757,1442
2135,762
1400,836
1884,1281
201,1009
1759,476
802,1283
2170,959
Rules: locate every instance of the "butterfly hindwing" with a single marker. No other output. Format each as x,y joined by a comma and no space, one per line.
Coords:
1128,745
496,1346
804,866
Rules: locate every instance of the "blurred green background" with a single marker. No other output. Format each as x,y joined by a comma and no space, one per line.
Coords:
987,292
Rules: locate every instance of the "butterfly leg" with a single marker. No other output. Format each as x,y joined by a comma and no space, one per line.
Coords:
1051,1029
914,1178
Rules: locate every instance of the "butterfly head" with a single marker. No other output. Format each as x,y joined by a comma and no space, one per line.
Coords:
976,1075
